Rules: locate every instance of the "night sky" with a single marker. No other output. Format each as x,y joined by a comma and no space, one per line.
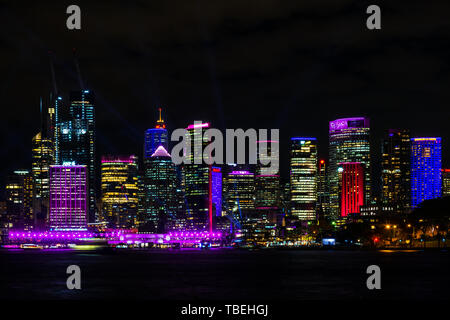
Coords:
292,65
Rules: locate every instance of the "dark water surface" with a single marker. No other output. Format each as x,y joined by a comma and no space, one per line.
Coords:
266,275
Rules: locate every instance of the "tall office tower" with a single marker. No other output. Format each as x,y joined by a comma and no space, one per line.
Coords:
426,166
240,190
19,200
267,194
395,169
445,182
75,139
160,183
42,157
156,137
352,191
349,142
120,191
303,178
323,194
196,181
68,198
141,196
60,116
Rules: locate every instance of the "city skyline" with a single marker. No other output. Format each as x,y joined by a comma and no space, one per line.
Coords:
152,197
145,150
280,66
310,157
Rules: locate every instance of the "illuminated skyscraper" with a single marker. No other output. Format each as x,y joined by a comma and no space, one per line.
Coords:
395,174
160,185
445,182
323,193
42,157
349,142
120,198
240,190
68,198
19,199
303,178
352,191
197,181
75,139
267,186
426,169
42,154
216,188
156,137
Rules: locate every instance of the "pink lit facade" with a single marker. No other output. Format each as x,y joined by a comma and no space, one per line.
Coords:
68,185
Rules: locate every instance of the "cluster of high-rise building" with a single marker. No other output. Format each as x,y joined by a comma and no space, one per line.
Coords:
66,189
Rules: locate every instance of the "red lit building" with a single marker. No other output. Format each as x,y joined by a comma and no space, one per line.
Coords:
352,192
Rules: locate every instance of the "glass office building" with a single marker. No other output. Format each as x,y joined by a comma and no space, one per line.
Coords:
348,142
120,191
303,178
19,198
267,186
395,169
196,181
75,139
160,190
68,198
426,169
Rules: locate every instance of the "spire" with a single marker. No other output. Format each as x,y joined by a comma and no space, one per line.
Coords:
160,123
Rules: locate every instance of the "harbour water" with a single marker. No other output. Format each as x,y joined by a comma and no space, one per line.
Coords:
224,274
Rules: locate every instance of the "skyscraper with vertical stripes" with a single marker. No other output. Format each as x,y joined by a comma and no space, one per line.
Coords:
68,197
352,188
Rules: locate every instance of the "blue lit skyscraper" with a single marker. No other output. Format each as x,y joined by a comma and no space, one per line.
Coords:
216,190
156,137
426,166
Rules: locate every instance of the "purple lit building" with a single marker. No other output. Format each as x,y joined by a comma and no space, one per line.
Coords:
68,185
216,186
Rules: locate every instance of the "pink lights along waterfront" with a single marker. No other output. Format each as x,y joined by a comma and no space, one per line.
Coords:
117,238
